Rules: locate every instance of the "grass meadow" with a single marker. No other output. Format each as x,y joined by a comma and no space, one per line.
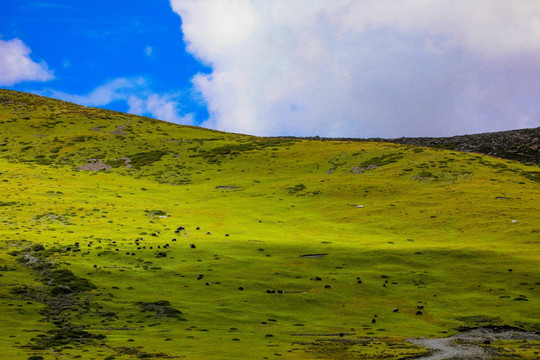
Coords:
196,244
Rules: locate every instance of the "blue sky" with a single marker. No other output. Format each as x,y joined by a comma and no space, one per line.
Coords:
87,44
348,68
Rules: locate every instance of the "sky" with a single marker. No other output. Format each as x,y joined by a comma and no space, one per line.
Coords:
332,68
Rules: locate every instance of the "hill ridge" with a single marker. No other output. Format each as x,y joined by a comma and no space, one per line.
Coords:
521,145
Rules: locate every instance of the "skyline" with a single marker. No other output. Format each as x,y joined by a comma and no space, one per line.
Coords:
304,68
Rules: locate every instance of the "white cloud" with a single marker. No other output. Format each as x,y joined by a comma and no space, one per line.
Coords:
148,50
366,68
16,65
162,107
118,89
138,96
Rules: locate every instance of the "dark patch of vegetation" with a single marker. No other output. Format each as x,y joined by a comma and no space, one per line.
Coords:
115,163
532,175
294,190
125,350
146,158
426,175
66,282
478,320
56,294
230,150
162,308
382,160
68,335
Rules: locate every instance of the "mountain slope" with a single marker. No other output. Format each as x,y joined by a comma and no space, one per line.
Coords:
293,240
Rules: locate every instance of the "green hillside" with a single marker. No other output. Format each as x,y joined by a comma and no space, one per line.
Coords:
301,248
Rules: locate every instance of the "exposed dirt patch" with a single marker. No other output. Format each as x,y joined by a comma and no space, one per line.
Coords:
359,170
95,165
462,345
119,130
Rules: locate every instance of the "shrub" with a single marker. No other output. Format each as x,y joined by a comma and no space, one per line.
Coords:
296,188
146,158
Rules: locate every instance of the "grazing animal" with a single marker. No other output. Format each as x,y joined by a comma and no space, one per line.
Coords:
359,281
192,246
197,228
173,240
395,310
240,288
373,321
227,235
268,291
384,285
280,291
420,307
327,286
509,270
180,228
419,312
486,342
200,276
207,284
208,233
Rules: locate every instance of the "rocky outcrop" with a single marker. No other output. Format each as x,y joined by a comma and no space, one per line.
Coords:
521,145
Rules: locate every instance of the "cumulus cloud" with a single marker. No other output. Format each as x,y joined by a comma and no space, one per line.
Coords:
16,65
366,68
137,95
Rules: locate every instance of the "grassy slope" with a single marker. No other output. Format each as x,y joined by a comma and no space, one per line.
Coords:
431,226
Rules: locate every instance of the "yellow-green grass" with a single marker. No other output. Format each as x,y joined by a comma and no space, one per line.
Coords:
434,228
